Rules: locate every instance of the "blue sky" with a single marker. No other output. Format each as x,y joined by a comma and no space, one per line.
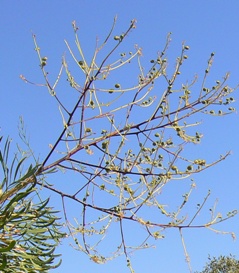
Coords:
207,26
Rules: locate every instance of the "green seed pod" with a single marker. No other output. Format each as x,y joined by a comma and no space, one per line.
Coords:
117,85
186,47
43,63
117,38
44,59
169,142
111,91
225,89
104,144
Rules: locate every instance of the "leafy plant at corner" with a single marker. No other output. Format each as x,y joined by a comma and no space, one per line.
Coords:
29,231
222,264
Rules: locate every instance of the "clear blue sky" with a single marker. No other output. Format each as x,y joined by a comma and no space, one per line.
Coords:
205,25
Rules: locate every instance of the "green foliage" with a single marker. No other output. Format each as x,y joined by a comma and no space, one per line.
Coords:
29,231
222,264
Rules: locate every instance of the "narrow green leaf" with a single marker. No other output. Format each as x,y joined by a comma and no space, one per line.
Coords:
4,262
9,247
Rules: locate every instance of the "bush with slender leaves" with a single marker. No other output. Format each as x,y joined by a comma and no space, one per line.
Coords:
29,231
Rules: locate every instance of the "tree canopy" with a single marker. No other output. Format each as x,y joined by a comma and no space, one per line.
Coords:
126,128
221,264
